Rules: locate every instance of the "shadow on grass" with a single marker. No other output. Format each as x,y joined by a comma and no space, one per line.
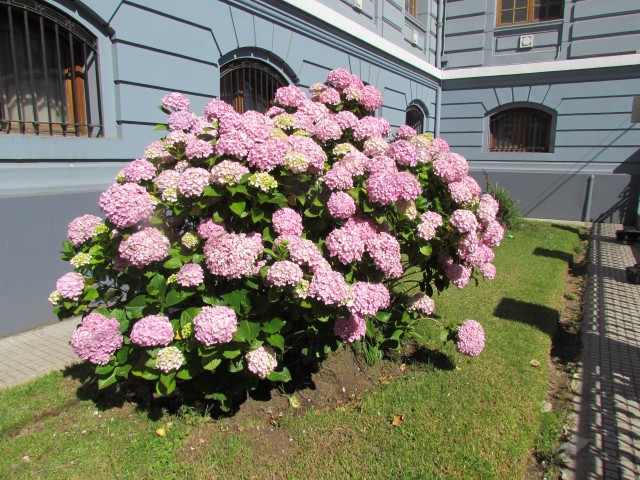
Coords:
544,318
545,252
568,228
422,355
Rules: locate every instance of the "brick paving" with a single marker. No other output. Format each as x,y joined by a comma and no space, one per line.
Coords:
28,355
606,441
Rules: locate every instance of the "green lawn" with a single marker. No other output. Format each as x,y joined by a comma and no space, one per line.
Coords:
475,418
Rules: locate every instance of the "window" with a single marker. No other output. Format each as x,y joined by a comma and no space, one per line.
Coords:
415,118
411,7
249,85
49,81
520,130
512,12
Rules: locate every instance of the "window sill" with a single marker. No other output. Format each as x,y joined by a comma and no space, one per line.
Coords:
415,23
528,27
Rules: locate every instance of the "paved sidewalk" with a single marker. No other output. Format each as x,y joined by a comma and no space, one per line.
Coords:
28,355
607,440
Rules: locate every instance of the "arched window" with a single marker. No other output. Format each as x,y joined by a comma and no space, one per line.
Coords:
415,117
49,79
520,130
249,85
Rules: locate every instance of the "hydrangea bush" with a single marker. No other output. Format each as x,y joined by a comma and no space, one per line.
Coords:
241,245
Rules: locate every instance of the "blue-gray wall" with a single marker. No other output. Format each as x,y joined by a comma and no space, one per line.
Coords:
589,28
148,49
593,134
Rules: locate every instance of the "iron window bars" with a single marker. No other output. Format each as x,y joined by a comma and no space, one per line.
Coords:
249,85
415,118
520,130
49,73
512,12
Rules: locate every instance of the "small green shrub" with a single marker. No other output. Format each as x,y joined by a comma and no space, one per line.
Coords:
508,213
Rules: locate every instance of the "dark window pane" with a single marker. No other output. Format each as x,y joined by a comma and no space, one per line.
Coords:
520,15
521,4
506,18
554,11
507,4
520,130
415,118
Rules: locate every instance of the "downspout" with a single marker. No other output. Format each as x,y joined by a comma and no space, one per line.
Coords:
586,216
439,41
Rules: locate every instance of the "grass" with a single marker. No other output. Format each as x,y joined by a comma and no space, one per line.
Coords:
478,418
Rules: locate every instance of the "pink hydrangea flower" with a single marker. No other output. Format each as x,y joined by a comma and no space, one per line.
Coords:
346,119
385,252
210,229
234,143
338,178
487,208
268,155
196,148
81,229
330,96
167,179
328,286
405,131
287,221
493,233
371,98
403,152
262,361
341,205
152,331
190,275
407,186
382,187
228,172
458,274
157,150
70,285
312,152
488,270
368,298
375,146
144,247
127,204
431,221
283,273
451,167
350,329
471,338
216,109
345,244
326,129
290,96
139,170
464,220
339,78
175,101
421,303
464,190
438,147
96,339
215,325
233,255
301,250
193,181
369,127
181,120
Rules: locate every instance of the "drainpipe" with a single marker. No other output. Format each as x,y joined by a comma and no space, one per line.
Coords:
439,41
587,203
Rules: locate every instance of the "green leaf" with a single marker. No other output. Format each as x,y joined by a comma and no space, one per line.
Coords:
211,300
173,263
238,300
256,215
274,325
105,370
426,250
247,331
383,316
91,294
174,297
188,314
231,353
135,306
68,247
277,341
236,366
239,208
105,382
160,127
210,192
157,286
210,363
283,376
122,355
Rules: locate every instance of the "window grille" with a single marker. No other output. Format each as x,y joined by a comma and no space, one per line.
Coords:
520,130
415,118
49,75
249,85
511,12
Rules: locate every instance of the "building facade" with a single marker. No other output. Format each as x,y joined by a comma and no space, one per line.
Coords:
538,95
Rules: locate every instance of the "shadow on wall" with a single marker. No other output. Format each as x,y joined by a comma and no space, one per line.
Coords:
626,208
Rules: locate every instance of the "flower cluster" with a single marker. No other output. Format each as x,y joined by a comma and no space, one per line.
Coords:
152,331
470,338
243,241
97,338
215,325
